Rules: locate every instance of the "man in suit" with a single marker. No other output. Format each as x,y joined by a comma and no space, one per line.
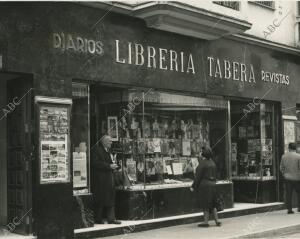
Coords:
103,184
290,168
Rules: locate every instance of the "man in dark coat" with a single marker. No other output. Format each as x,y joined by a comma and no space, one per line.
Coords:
290,168
103,185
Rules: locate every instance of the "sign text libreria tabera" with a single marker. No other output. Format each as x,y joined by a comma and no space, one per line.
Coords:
167,59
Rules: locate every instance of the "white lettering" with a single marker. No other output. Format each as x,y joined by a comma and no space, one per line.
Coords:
139,58
56,41
129,53
227,69
190,65
70,43
118,54
211,59
173,60
181,60
243,72
77,44
162,58
235,66
151,56
218,69
252,76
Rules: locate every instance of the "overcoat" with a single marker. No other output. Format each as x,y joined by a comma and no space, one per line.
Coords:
103,185
205,184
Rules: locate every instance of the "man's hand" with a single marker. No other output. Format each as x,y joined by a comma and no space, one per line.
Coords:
191,189
114,166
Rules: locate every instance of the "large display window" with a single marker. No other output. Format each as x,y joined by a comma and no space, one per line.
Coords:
253,140
80,130
158,136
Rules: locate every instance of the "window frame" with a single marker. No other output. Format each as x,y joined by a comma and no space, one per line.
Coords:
77,190
229,2
259,3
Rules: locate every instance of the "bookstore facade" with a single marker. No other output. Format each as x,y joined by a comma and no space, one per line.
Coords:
159,95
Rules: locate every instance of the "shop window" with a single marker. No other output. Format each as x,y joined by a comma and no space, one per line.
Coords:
158,136
80,137
253,140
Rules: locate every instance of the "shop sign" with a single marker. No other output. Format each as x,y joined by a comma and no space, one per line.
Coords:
68,42
236,71
160,58
179,61
168,59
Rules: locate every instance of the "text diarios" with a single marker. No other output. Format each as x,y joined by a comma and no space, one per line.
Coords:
164,59
67,42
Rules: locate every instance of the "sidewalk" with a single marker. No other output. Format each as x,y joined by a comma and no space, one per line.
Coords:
242,221
128,227
10,235
262,225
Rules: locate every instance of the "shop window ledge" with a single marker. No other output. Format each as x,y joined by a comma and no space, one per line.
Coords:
142,187
254,178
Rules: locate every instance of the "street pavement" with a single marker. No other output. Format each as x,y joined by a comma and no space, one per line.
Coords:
275,224
272,224
294,235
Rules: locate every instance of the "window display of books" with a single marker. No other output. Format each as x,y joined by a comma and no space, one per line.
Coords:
255,161
162,136
252,152
159,147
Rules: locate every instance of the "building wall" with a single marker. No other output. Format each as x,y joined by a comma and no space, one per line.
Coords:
54,67
3,156
276,25
261,18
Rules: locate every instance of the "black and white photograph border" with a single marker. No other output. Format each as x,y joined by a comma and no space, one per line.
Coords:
215,84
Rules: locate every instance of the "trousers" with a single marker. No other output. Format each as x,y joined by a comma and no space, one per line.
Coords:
106,211
290,187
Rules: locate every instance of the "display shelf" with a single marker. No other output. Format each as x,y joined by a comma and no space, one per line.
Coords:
81,192
255,178
178,184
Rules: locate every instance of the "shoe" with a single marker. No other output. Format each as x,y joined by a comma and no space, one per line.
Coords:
99,222
203,225
218,224
290,212
115,222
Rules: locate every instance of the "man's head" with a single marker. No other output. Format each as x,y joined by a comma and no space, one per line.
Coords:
292,147
106,141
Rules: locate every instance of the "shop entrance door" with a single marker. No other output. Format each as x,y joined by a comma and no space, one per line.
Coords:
19,116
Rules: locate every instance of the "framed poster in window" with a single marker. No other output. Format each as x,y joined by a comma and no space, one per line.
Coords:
289,131
54,139
112,127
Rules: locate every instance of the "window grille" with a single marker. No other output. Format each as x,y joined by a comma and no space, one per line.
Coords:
229,4
269,4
